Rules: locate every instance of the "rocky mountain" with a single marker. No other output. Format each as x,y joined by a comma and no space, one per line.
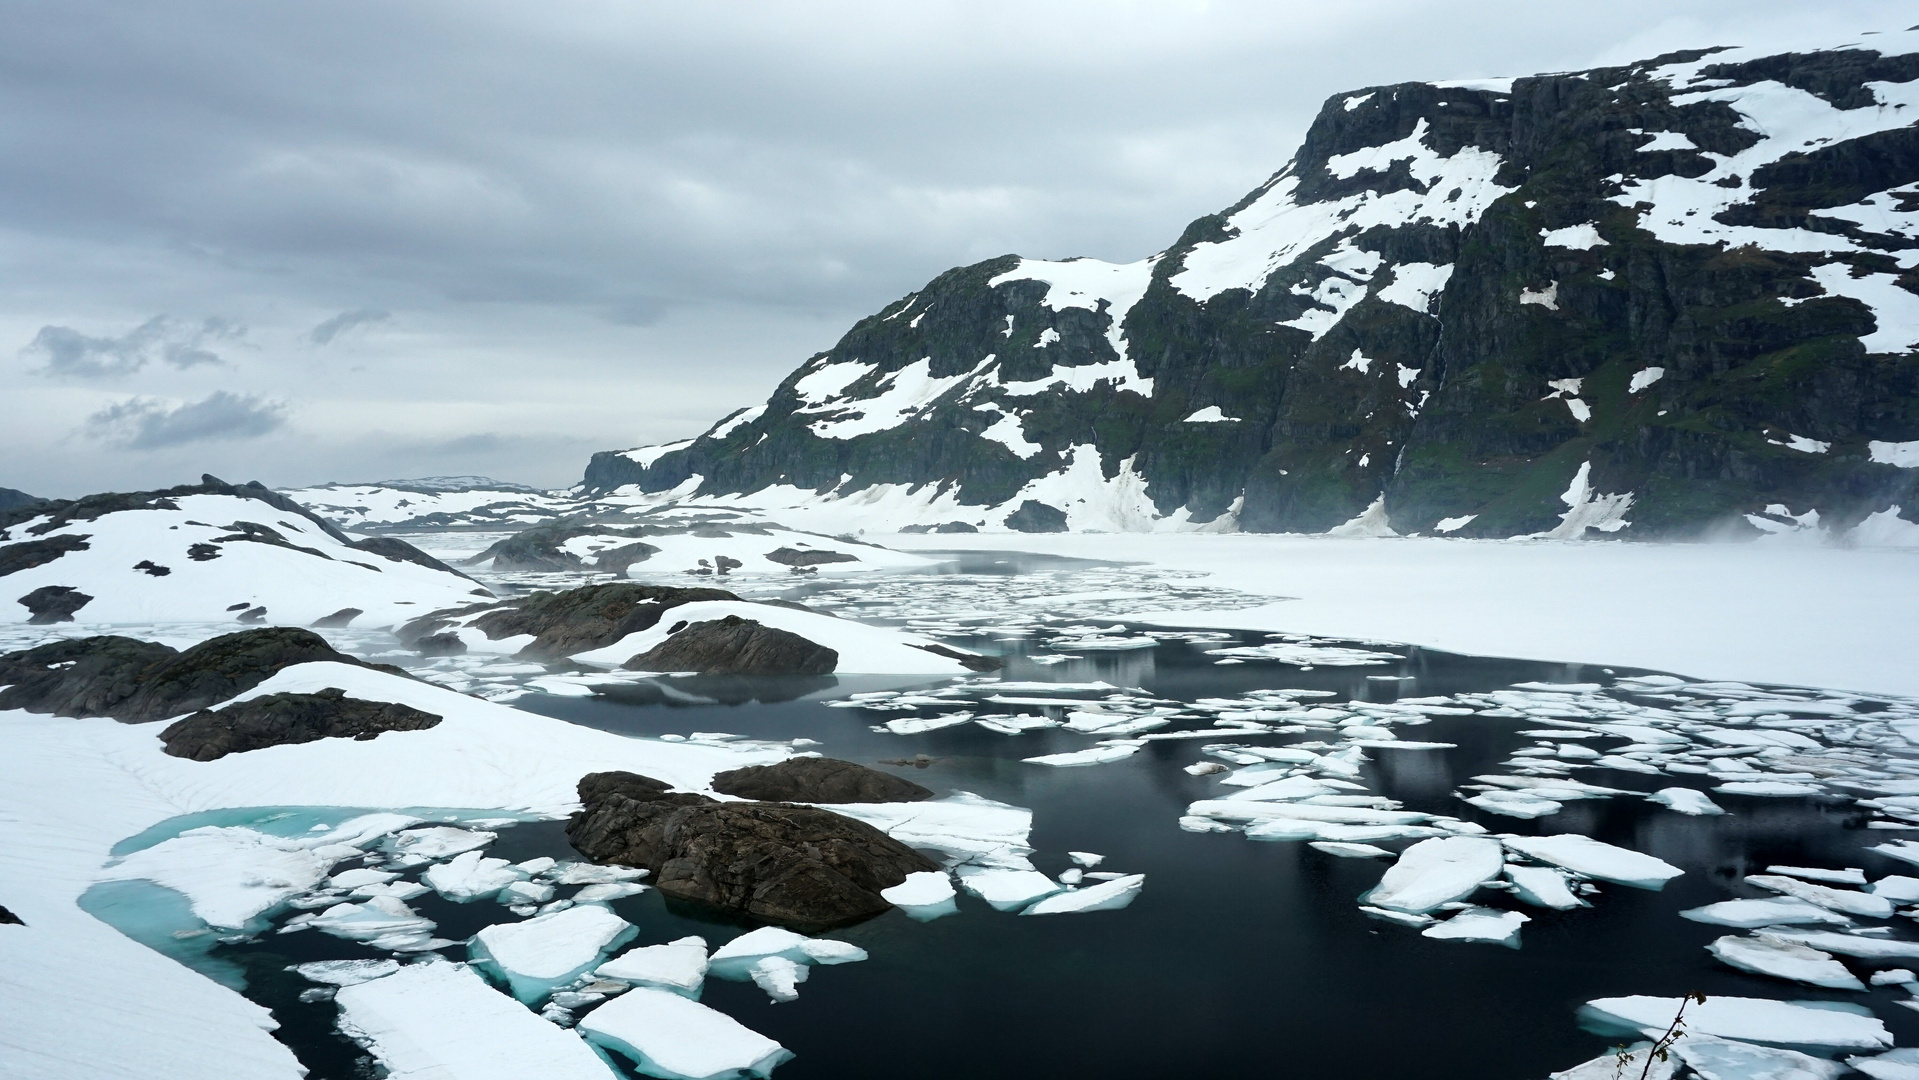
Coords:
433,502
1655,300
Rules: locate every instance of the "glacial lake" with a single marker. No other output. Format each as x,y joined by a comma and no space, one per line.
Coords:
1240,958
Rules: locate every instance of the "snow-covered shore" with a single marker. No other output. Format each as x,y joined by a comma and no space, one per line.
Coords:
1812,616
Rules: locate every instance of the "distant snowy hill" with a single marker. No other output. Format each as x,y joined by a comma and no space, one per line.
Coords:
209,552
1642,301
434,502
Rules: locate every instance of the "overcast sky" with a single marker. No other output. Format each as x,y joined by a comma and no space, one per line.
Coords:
302,242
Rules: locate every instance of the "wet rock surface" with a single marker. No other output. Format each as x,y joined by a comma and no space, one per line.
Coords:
564,623
736,646
136,681
284,719
817,780
793,865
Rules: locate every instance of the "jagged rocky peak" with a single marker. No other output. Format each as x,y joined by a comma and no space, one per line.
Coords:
1645,301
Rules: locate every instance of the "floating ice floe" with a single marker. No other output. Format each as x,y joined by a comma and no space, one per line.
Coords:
1543,886
670,1036
1097,755
1007,889
1350,851
1900,1064
1607,1067
1480,924
1765,954
1865,948
551,950
229,875
1848,901
440,1019
1851,875
345,972
383,922
1822,1024
1898,889
1685,800
679,966
1436,871
1106,896
1594,859
470,876
439,841
1519,804
924,895
1726,1059
1751,914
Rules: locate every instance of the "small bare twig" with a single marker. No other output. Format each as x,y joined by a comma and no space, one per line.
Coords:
1662,1047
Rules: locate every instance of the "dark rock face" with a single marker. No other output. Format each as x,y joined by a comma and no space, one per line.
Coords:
79,676
796,866
148,566
282,719
1333,383
338,620
1036,517
13,497
31,553
565,623
787,556
136,681
54,603
736,646
393,549
970,661
8,918
817,780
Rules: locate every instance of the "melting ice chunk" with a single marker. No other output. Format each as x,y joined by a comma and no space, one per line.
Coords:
1437,871
778,976
1765,954
735,959
1822,1024
470,876
1849,901
1106,896
679,966
1750,914
1686,801
345,972
925,895
1900,1064
1543,886
1481,924
439,841
442,1020
1584,855
1006,888
1723,1059
383,921
670,1036
549,950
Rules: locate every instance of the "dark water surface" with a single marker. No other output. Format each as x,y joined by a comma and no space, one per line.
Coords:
1240,958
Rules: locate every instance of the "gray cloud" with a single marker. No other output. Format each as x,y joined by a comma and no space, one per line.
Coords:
146,424
324,333
66,351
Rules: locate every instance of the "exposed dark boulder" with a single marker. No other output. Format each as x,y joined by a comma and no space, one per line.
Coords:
954,527
148,566
31,553
564,623
797,866
394,549
817,780
136,681
617,560
787,556
969,661
736,646
54,603
78,677
446,644
1034,516
8,918
338,620
283,719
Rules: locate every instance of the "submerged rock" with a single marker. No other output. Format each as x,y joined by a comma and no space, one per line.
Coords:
53,603
135,681
283,719
736,646
564,623
817,780
798,866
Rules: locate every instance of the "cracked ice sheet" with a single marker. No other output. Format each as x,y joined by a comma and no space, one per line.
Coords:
1508,598
71,789
440,1021
1749,1019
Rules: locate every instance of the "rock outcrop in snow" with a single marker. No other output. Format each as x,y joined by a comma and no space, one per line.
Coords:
1678,291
